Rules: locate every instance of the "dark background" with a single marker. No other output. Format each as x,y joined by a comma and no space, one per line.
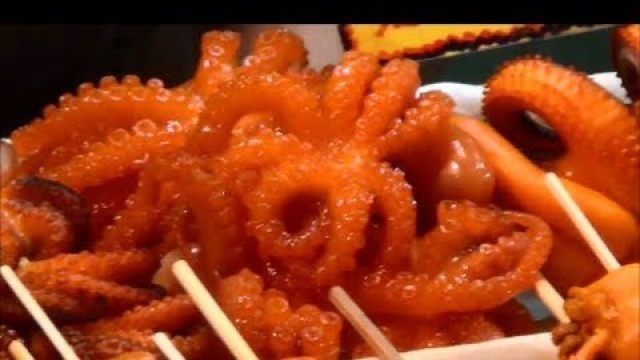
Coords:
40,63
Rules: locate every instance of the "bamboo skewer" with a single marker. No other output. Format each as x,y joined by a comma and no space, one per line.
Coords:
551,298
588,232
363,325
19,351
38,314
218,320
166,346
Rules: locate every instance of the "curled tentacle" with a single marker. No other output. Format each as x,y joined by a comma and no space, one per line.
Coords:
44,218
276,50
466,264
520,185
295,109
314,195
601,138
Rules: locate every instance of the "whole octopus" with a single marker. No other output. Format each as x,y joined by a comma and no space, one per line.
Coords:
275,181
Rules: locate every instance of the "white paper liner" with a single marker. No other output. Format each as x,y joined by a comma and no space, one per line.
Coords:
468,99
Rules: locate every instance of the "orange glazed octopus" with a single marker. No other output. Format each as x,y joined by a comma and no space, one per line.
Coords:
275,182
604,318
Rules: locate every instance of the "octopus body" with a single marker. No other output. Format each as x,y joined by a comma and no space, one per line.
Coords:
604,318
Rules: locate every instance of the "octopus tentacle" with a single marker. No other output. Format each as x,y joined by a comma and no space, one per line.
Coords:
520,185
126,266
345,90
58,306
114,296
218,50
276,50
390,95
580,112
170,314
271,327
497,268
395,209
94,112
122,154
295,108
134,225
318,193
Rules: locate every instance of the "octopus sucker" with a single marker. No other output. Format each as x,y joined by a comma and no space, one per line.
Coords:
520,184
625,48
115,296
271,327
390,95
123,153
295,108
580,112
126,266
604,318
94,112
218,52
276,50
170,314
133,226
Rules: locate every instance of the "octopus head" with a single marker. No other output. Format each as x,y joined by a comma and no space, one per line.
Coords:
604,319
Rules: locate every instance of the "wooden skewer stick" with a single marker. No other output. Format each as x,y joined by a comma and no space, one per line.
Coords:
38,314
365,327
166,346
595,242
19,351
212,311
551,298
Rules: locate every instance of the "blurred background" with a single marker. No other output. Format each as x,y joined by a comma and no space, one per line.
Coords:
40,63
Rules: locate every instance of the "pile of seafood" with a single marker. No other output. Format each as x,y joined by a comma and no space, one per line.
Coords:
275,182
